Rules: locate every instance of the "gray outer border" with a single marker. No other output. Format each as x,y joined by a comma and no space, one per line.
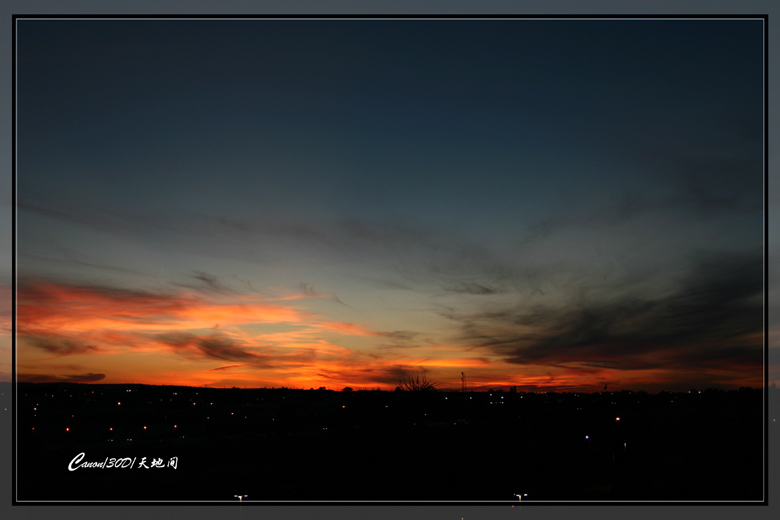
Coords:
499,7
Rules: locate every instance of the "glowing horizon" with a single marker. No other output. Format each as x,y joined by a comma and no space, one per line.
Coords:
163,338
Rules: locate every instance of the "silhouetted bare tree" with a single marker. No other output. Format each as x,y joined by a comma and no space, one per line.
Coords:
417,382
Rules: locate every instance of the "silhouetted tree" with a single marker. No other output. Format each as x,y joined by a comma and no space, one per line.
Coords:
417,382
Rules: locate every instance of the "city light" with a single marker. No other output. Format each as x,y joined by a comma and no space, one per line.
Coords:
583,458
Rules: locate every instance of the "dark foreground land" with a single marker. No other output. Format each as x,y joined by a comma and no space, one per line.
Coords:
319,445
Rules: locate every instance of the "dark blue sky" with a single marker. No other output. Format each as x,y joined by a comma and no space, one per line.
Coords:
540,202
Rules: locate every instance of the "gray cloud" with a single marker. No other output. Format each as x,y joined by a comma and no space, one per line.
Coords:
210,347
70,257
702,323
60,345
401,339
470,288
709,175
206,283
400,335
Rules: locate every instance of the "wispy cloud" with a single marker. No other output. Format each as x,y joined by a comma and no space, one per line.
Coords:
48,378
380,283
211,346
470,288
206,283
308,290
712,321
59,345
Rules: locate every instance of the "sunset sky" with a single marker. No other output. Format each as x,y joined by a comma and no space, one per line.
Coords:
547,204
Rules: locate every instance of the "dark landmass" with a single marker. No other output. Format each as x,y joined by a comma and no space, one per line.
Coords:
321,445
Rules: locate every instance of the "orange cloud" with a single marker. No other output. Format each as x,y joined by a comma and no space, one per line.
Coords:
266,340
58,307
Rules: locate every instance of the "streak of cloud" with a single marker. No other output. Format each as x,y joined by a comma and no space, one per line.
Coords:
308,290
208,283
211,347
48,378
61,345
471,288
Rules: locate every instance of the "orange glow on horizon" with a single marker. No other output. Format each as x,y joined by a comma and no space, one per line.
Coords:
190,339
